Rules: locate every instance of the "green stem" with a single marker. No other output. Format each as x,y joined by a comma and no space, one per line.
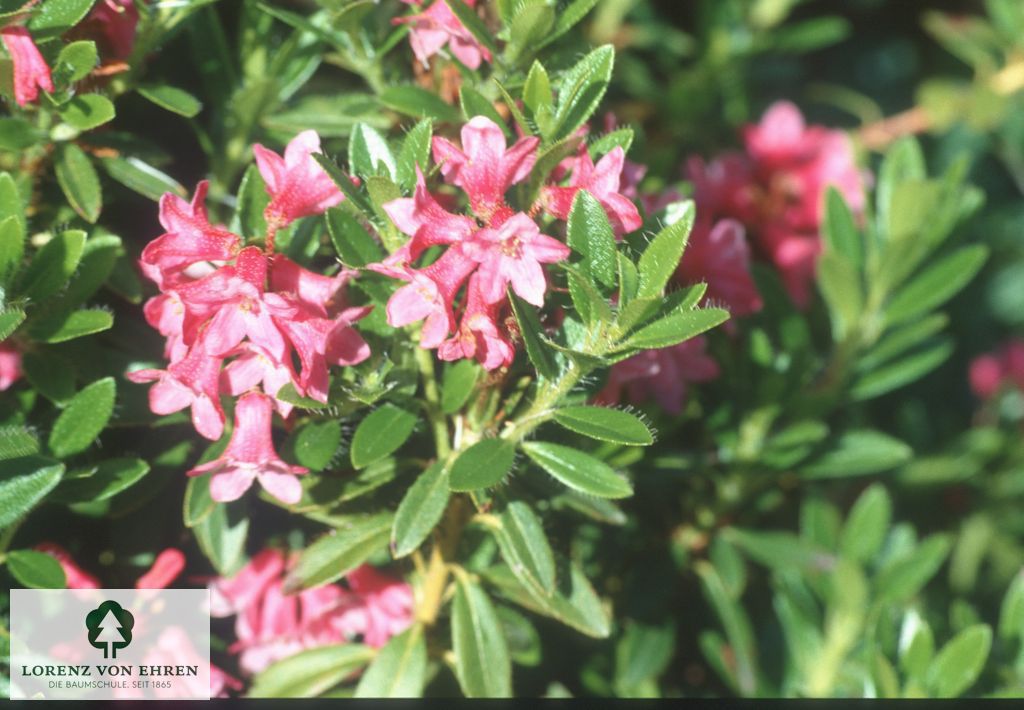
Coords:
549,394
438,421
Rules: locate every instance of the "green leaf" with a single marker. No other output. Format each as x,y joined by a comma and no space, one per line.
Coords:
530,328
53,265
868,523
588,301
197,503
676,328
482,663
525,548
482,465
221,536
578,470
36,570
87,111
310,673
251,204
55,17
83,419
1011,612
77,178
12,248
75,62
17,134
468,17
457,384
840,284
353,243
661,257
10,319
840,229
111,477
476,104
415,152
537,89
338,553
590,234
581,89
369,153
774,550
68,326
857,453
173,99
141,177
903,577
894,375
567,19
16,442
315,444
381,433
420,510
528,28
605,424
344,183
23,483
958,665
418,103
936,284
400,668
903,161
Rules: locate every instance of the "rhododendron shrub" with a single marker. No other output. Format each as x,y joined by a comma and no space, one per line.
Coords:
500,348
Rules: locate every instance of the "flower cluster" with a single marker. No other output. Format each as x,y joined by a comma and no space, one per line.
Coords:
236,317
1004,368
271,625
433,28
775,189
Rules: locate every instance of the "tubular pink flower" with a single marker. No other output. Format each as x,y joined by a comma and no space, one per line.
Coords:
430,296
166,568
512,254
426,221
297,185
31,73
320,293
437,26
720,256
661,375
603,182
250,456
190,239
1003,368
479,335
117,21
388,603
192,382
75,576
166,314
482,166
254,366
10,365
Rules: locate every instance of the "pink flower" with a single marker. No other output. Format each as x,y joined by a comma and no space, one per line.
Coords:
437,26
75,576
166,568
117,21
250,456
190,238
10,365
1003,368
297,185
661,375
166,313
479,335
482,166
720,257
254,366
31,72
192,382
423,219
430,295
321,293
603,181
512,254
271,625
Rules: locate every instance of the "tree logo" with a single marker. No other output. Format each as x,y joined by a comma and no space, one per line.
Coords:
110,627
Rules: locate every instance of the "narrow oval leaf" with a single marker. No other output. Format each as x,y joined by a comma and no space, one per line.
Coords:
960,662
83,419
79,181
420,510
23,483
87,111
605,424
661,257
482,465
315,444
308,674
525,547
400,668
530,328
858,453
589,233
482,663
173,99
62,327
338,553
676,328
36,570
457,384
53,265
111,477
578,470
16,442
867,525
381,433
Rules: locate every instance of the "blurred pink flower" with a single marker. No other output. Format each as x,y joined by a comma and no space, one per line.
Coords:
166,568
1003,368
720,256
117,21
10,365
661,375
604,182
250,456
75,576
437,26
31,73
297,185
